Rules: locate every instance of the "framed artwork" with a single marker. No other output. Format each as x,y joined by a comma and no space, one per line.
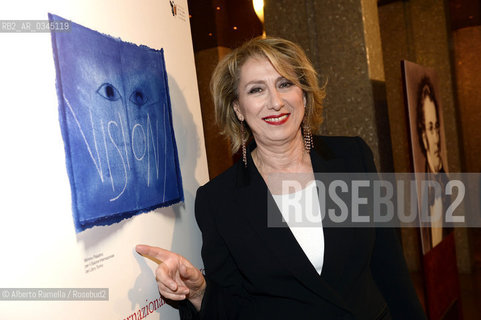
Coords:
428,146
116,121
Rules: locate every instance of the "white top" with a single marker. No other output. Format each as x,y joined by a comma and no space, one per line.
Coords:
302,213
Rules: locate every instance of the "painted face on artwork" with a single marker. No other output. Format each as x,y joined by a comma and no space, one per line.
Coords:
272,106
431,138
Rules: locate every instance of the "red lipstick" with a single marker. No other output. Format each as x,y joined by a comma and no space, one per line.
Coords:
277,120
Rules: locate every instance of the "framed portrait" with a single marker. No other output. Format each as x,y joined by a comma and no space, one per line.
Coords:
428,146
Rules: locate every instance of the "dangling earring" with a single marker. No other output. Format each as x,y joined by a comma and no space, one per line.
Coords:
308,142
244,151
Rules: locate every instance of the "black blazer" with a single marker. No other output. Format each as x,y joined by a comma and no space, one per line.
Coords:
256,272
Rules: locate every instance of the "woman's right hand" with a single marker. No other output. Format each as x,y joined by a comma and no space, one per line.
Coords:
176,277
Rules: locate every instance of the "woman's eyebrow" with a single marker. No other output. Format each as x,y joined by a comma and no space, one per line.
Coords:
254,82
280,78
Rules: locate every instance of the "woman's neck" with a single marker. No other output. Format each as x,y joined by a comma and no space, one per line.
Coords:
289,157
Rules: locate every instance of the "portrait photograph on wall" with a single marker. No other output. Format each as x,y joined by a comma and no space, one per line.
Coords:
428,145
429,158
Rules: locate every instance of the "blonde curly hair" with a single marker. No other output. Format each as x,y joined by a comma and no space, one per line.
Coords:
289,60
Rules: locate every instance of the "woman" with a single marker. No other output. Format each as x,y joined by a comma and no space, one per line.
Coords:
268,89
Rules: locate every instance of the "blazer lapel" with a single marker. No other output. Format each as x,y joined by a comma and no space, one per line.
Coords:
254,199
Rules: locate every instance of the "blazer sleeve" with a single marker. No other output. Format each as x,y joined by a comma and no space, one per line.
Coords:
388,266
224,297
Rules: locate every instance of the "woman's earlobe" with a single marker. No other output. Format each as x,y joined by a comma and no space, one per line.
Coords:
239,115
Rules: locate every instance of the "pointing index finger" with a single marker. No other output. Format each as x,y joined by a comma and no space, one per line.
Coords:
153,252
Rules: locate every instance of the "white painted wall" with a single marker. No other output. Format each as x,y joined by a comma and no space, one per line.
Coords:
38,243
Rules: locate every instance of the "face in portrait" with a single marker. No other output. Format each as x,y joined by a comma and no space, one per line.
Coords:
428,124
429,128
431,136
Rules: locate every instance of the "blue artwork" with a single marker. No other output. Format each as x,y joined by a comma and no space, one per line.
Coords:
116,122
